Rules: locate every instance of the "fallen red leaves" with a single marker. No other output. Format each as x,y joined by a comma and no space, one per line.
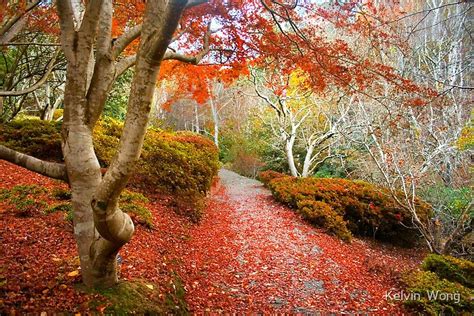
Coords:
253,255
248,254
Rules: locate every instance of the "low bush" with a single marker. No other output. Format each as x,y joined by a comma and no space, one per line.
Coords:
443,287
41,139
268,175
355,206
26,200
450,268
134,204
428,294
182,164
61,207
321,214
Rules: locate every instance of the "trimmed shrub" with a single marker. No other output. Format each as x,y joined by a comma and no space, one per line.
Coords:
268,175
437,296
363,208
41,139
134,204
450,268
445,286
182,164
321,214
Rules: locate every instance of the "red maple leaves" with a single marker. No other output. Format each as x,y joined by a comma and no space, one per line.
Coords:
248,254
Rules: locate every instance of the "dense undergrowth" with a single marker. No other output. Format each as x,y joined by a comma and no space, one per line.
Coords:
443,286
346,207
182,164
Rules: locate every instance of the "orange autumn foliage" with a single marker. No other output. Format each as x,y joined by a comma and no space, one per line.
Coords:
345,207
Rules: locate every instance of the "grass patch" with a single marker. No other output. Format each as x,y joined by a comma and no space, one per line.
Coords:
25,200
134,204
141,298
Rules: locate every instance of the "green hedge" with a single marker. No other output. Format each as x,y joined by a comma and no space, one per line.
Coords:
346,207
41,139
183,164
450,268
444,286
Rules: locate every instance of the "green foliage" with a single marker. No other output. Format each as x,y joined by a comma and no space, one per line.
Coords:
37,138
25,199
116,104
442,274
355,206
139,298
106,139
62,207
69,216
182,164
241,152
61,194
133,204
428,284
451,269
330,169
321,214
132,197
448,206
452,200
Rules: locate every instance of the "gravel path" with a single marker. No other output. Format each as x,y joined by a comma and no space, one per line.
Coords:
251,255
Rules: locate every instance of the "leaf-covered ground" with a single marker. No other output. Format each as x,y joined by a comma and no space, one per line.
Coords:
248,254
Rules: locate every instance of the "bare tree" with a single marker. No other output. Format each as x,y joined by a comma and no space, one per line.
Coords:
300,117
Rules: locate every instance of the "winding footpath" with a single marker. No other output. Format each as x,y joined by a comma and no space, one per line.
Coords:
248,255
253,255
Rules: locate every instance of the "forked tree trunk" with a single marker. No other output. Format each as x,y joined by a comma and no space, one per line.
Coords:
100,227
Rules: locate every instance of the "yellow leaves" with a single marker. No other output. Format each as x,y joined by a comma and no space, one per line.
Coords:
73,273
466,139
150,286
298,89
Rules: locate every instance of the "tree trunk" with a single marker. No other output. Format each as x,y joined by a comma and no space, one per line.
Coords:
215,117
290,142
307,161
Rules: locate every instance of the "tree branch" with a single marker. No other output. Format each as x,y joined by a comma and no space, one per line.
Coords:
45,168
66,23
192,59
125,39
38,84
124,64
16,18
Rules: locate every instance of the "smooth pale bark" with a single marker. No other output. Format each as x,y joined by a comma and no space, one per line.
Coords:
100,227
307,161
215,117
290,143
49,169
